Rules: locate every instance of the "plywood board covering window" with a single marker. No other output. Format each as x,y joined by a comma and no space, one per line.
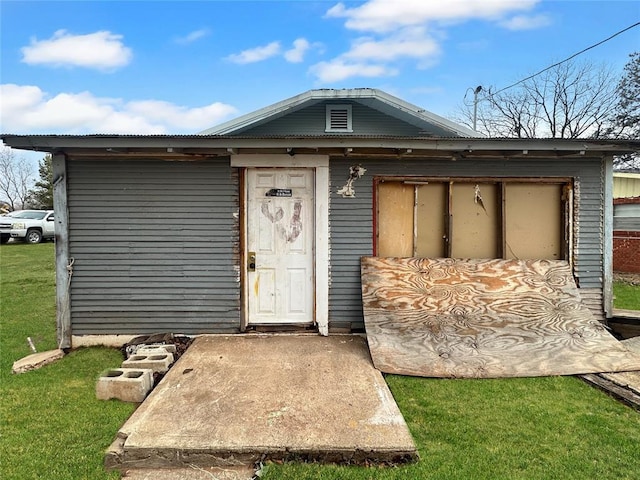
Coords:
533,221
475,220
395,219
430,220
501,218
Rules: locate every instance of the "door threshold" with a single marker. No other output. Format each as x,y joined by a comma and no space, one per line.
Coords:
282,328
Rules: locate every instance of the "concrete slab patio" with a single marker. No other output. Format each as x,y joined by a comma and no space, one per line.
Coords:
236,400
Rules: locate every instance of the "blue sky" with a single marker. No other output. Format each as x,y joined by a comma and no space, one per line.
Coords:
142,67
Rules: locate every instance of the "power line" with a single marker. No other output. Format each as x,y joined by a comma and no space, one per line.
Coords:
567,59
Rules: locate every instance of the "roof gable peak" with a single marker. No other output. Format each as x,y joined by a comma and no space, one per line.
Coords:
427,122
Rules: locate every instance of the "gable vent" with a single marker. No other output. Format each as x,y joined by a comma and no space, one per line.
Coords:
339,118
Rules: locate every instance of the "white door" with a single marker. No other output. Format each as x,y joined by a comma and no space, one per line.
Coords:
280,242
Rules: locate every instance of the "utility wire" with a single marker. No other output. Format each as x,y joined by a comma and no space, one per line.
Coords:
567,59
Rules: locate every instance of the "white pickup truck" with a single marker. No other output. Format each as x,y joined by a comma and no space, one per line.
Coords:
31,226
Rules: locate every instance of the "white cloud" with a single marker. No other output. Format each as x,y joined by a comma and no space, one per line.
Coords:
193,36
409,42
524,22
339,69
193,119
27,109
101,50
388,15
256,54
296,54
410,29
371,57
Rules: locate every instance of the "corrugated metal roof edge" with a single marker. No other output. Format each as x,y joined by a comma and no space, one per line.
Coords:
325,136
57,142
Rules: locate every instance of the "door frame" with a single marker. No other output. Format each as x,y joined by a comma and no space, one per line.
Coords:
320,166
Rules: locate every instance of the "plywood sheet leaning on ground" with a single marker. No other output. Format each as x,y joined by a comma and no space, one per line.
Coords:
483,319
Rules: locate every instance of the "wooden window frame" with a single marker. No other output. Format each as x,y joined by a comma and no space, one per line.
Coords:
567,214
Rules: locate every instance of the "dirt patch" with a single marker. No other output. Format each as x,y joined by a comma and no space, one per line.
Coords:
181,343
630,278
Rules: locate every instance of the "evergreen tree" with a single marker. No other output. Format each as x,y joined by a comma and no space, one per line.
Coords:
628,109
42,195
627,116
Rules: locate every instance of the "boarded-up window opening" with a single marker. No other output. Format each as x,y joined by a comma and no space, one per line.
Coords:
395,219
475,228
474,218
533,221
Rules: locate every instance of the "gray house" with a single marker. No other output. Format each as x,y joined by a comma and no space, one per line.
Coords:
260,223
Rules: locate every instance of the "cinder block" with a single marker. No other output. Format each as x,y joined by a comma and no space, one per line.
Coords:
157,362
126,384
155,349
171,348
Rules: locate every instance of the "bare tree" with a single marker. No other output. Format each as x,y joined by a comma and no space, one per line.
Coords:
16,178
570,100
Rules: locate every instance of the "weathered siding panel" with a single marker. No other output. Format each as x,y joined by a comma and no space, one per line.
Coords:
627,217
311,121
351,219
155,246
626,185
351,237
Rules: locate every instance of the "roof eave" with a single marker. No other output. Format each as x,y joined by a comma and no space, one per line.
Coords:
58,143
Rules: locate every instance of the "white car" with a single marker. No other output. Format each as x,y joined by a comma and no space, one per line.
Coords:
31,226
5,227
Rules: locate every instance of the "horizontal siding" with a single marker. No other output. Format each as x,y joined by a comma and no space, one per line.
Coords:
351,219
312,121
626,224
155,242
592,299
626,217
155,246
351,234
626,185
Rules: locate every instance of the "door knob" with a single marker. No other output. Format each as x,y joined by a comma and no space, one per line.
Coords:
251,264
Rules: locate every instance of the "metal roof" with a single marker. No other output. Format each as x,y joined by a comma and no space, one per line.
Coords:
227,144
370,97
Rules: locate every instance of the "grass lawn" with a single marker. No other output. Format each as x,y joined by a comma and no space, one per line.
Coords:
52,425
530,428
626,296
536,428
